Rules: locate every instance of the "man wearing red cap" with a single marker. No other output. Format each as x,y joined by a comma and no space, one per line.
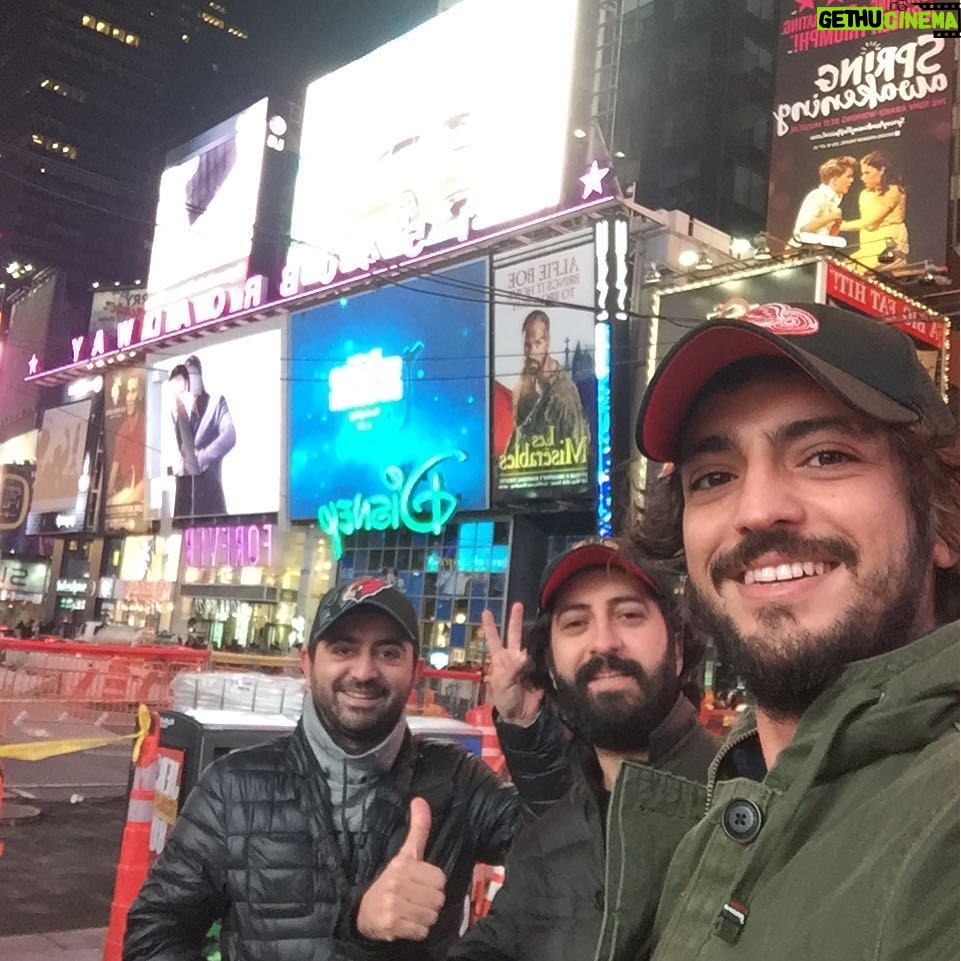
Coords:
814,493
608,647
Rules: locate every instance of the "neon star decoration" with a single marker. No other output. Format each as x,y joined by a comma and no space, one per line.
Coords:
32,364
593,180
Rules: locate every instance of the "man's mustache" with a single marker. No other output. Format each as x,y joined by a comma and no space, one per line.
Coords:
606,664
362,687
758,543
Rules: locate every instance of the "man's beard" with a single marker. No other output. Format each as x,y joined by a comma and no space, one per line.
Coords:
785,670
618,720
362,730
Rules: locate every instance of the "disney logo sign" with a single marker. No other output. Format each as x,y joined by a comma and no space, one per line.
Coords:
417,501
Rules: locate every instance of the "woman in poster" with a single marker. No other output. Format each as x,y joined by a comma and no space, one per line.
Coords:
882,205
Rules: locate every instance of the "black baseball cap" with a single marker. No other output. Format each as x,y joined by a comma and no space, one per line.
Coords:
868,364
374,593
596,552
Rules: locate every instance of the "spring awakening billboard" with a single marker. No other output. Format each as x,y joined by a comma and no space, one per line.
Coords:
861,140
212,427
544,386
125,439
388,406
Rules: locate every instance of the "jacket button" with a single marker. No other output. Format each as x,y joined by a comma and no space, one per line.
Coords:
599,900
741,820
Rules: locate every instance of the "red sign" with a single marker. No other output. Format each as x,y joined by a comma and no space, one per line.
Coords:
868,298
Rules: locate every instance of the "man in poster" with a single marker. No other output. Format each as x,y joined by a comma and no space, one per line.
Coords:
205,435
820,211
127,468
548,412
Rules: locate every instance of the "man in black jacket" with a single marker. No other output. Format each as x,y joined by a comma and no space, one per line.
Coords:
345,839
608,643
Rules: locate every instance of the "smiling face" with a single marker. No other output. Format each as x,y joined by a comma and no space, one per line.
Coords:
360,677
615,668
801,547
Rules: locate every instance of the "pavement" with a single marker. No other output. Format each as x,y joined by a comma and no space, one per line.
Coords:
57,874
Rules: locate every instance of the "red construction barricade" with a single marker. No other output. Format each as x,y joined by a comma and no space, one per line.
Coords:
50,682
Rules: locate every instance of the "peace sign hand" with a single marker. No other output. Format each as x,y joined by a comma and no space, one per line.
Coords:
515,700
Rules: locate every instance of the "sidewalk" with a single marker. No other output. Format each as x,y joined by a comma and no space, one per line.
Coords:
85,944
56,880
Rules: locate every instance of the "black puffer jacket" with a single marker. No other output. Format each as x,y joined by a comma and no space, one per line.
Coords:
255,846
551,905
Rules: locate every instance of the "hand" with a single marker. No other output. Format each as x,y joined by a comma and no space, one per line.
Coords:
516,702
404,901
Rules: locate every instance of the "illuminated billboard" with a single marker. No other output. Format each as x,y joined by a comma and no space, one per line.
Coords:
116,305
861,143
544,385
207,209
414,148
388,405
125,438
213,427
63,465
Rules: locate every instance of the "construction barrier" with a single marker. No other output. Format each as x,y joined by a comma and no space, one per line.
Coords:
134,860
49,683
488,880
482,717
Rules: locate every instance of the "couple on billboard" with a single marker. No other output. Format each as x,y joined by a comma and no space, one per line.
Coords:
882,205
205,435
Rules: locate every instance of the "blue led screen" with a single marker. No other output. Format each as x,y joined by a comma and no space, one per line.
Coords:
391,379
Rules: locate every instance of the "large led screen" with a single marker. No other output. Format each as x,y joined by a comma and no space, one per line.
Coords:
388,401
544,385
425,141
862,138
63,463
214,427
207,209
125,440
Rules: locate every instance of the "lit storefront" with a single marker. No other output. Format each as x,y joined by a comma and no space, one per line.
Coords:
246,587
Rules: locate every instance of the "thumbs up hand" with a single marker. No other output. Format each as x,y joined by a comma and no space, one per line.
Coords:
407,896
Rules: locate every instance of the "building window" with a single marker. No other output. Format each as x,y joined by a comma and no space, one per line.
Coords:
450,579
110,30
53,145
50,85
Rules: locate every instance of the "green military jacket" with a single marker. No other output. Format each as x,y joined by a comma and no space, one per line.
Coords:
847,850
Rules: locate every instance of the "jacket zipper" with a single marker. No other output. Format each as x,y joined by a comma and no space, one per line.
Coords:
726,749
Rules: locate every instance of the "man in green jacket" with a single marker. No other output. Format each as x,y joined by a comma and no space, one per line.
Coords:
813,487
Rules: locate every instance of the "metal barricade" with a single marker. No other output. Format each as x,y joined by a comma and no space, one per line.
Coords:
50,682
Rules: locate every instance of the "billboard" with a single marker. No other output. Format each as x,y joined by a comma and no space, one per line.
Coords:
882,99
412,148
207,209
110,307
544,385
388,405
213,435
63,465
125,438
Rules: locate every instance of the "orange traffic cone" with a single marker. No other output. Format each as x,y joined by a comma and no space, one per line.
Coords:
133,862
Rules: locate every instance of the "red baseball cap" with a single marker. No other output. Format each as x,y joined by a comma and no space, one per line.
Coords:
597,552
867,363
